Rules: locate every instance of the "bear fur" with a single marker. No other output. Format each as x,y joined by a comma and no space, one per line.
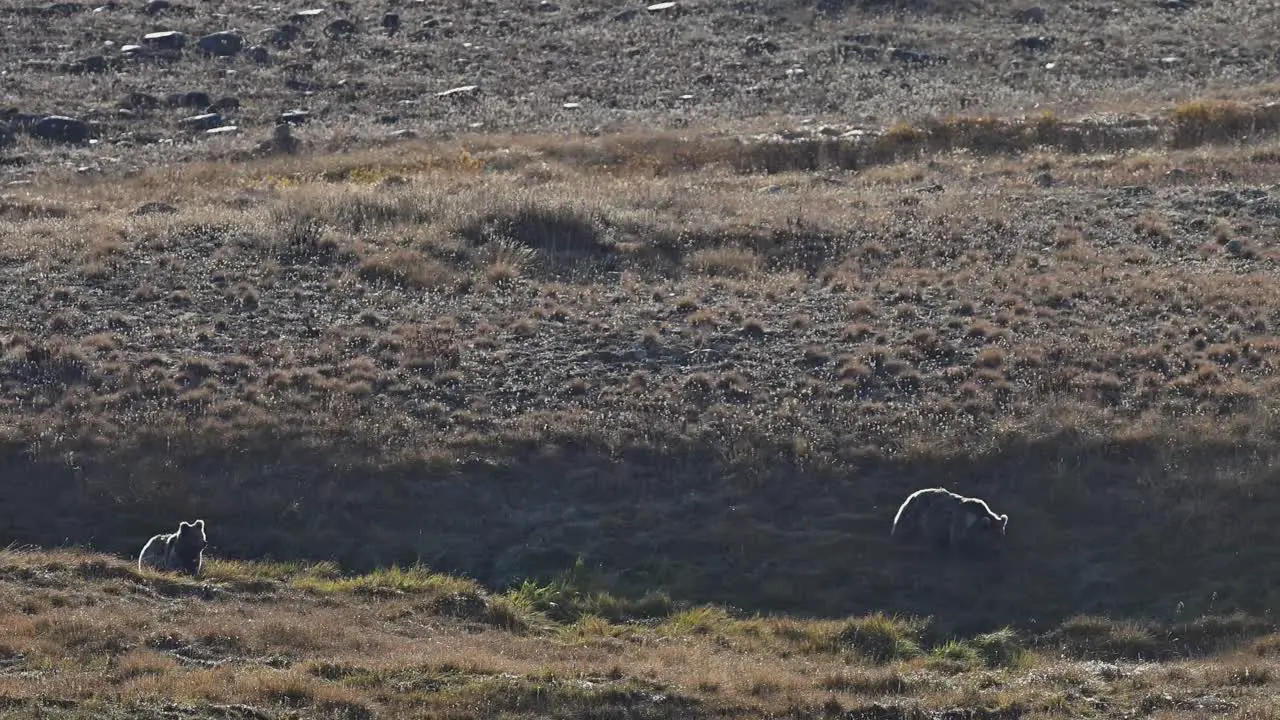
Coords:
947,520
180,552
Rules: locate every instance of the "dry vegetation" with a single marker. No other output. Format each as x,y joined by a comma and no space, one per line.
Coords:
88,636
656,392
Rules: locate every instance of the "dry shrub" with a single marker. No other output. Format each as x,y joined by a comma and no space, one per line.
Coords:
405,268
723,262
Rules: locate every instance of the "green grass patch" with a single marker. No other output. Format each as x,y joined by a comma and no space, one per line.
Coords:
881,638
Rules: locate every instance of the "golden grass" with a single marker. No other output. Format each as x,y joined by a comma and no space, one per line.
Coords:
358,653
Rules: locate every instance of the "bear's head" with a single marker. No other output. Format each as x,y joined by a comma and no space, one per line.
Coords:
191,535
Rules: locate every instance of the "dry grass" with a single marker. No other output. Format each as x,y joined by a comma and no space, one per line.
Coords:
674,346
105,639
645,400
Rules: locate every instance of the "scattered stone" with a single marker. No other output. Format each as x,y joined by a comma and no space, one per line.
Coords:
167,40
91,64
1031,16
221,44
912,57
282,141
224,104
341,28
139,101
62,9
205,121
391,23
293,117
1044,180
663,7
756,45
283,36
305,15
548,7
1034,43
1175,5
626,15
258,54
461,91
224,130
405,134
193,99
859,51
388,119
59,128
130,50
154,208
156,6
571,105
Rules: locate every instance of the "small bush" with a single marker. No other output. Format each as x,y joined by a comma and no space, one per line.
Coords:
1001,648
723,262
405,268
880,638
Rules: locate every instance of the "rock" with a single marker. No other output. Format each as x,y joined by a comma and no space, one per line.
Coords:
756,45
156,6
305,15
860,51
258,54
548,7
1034,43
221,44
626,15
912,57
206,121
1034,15
283,36
461,91
166,40
91,64
391,23
220,131
193,99
663,7
154,208
62,9
59,128
282,141
1175,5
293,117
1044,179
340,28
139,101
388,119
223,104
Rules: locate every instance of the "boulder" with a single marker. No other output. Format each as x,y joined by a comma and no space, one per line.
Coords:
221,44
60,128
